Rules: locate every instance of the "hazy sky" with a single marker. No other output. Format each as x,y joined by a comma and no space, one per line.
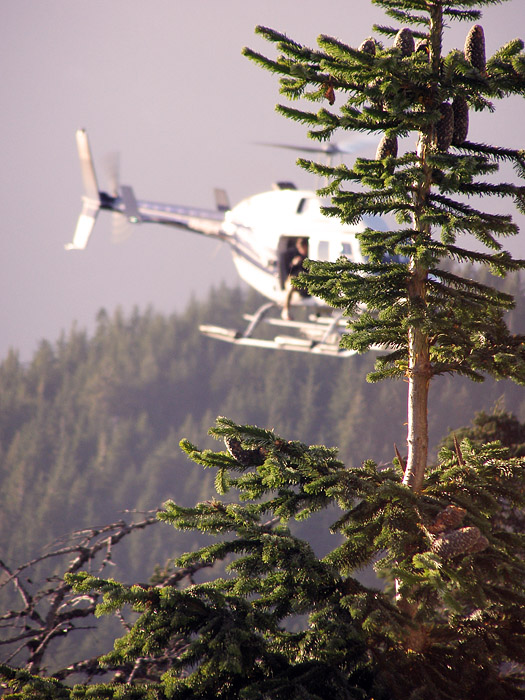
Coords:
163,83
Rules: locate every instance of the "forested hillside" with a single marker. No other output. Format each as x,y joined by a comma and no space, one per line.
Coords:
92,425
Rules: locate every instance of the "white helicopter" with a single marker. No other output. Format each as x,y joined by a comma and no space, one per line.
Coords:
261,230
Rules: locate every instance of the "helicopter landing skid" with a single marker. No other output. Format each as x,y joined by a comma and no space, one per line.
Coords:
320,334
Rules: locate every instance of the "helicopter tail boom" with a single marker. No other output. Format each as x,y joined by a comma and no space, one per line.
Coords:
123,202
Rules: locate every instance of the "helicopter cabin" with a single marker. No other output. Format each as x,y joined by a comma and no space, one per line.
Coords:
267,226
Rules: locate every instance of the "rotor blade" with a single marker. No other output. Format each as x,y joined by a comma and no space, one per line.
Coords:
330,149
291,147
354,145
121,228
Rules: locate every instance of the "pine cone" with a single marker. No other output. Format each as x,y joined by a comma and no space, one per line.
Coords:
445,127
404,41
463,541
387,147
460,109
447,519
478,546
329,92
475,48
248,458
368,46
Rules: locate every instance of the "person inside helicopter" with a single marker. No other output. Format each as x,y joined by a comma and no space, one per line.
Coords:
294,258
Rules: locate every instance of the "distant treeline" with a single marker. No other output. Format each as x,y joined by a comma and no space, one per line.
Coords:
91,426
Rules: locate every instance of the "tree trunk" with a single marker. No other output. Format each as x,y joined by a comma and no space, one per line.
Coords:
419,366
419,373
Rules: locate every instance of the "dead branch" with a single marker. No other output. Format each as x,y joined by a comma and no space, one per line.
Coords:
54,610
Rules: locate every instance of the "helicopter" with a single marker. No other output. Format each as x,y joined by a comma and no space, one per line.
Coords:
261,230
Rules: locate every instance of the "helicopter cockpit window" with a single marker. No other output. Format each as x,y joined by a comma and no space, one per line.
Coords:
346,250
322,250
388,257
301,206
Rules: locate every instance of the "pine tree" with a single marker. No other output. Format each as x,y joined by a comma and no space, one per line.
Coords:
407,91
282,621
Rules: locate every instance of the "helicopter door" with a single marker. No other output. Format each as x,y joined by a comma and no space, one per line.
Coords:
287,250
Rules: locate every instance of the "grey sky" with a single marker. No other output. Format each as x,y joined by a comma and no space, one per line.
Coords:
164,83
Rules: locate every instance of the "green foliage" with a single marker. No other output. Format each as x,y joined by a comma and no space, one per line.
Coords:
92,425
435,188
285,622
281,618
499,425
26,685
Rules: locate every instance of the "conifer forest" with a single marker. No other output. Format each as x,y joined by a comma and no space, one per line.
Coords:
184,519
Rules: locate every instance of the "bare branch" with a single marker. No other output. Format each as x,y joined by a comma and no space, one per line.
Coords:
54,610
